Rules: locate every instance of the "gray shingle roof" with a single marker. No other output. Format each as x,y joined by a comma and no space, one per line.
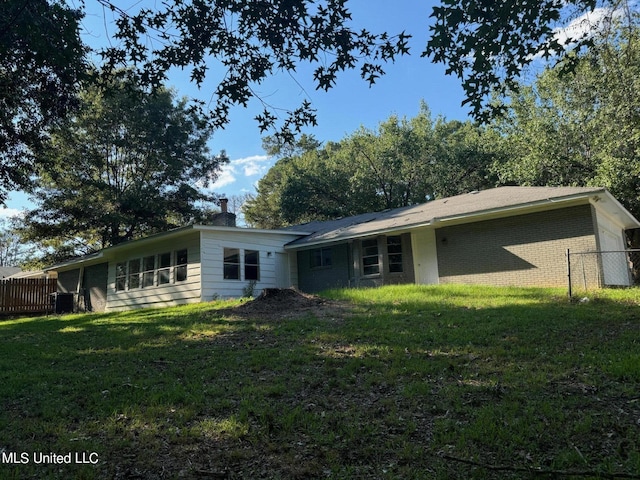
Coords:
468,204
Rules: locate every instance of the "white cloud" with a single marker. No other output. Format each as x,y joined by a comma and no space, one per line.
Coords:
588,24
254,165
10,212
237,170
226,177
585,26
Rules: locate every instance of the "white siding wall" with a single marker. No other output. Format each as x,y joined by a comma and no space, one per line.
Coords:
173,293
271,251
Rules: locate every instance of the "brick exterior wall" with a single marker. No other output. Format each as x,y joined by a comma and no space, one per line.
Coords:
524,250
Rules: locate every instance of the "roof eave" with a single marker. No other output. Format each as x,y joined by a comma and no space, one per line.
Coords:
578,198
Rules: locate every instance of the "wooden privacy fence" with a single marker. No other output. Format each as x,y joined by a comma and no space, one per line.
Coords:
26,295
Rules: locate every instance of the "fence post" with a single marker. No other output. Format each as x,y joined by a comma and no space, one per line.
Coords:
569,270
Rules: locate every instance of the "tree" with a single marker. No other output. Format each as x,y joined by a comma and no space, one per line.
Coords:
11,249
403,162
300,187
464,156
42,61
581,128
250,41
126,165
488,43
485,43
394,163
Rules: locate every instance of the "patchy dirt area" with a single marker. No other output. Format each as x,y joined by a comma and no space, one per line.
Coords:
286,303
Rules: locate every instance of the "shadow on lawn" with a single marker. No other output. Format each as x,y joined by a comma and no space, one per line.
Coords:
389,389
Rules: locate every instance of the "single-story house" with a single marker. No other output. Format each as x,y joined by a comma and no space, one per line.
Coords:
501,236
6,272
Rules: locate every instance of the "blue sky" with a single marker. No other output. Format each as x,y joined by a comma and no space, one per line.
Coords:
342,110
351,103
346,107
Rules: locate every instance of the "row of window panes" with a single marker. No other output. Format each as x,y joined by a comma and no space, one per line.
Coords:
151,270
231,265
321,257
370,261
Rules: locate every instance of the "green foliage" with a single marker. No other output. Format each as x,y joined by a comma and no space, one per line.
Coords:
393,163
249,41
403,162
463,157
126,165
401,382
312,186
487,44
42,60
11,248
580,128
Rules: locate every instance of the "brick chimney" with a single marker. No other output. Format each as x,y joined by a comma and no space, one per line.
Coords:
224,218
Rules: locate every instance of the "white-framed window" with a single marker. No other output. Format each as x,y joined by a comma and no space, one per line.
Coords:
134,273
164,268
231,266
251,265
152,270
148,271
181,265
241,264
121,276
370,257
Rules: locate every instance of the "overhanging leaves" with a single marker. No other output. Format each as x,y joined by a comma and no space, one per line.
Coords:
250,41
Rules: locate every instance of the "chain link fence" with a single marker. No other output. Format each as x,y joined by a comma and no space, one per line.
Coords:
597,269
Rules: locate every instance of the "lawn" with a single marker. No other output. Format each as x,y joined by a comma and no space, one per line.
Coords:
409,382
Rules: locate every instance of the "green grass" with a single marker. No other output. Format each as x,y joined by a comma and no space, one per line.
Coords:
402,383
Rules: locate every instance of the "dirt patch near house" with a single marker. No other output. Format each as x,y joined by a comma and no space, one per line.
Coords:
287,302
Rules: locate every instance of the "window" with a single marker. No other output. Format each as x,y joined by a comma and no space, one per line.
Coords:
231,264
134,273
251,265
148,271
394,252
181,265
152,270
370,262
320,258
121,276
164,268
